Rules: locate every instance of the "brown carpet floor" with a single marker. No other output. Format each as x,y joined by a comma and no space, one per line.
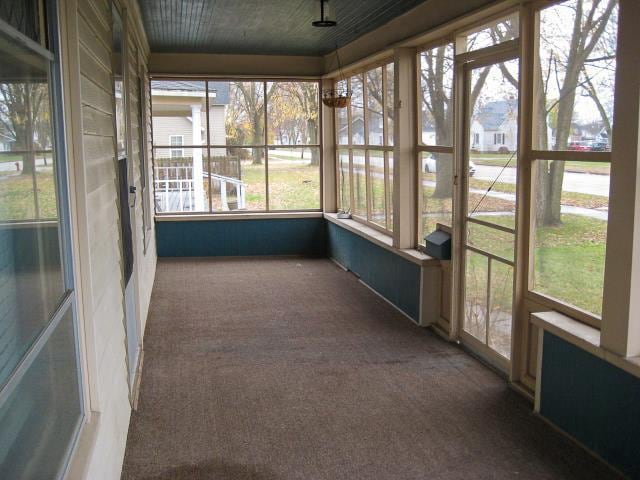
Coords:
289,368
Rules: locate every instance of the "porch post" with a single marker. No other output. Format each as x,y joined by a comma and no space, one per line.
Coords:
198,184
404,157
621,307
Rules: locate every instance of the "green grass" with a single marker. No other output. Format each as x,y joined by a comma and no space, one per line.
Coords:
569,258
17,199
291,187
500,160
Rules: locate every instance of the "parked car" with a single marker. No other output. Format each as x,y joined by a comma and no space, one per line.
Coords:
578,147
597,146
430,166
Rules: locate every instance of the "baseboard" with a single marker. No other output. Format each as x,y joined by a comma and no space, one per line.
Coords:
136,387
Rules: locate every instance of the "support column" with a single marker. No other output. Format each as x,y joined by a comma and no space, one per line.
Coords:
329,165
404,155
198,183
621,309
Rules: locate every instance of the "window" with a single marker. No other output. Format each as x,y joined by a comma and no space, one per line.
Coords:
365,163
177,141
243,145
576,73
487,35
573,113
435,149
40,400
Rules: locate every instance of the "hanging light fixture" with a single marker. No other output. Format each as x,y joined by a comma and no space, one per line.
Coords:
326,15
340,96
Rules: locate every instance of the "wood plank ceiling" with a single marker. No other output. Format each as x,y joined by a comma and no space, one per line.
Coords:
275,27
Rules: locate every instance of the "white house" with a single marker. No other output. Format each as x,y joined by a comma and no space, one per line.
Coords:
179,124
494,128
179,114
6,139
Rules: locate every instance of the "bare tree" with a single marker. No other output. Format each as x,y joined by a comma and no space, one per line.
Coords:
24,116
437,88
306,95
251,101
566,64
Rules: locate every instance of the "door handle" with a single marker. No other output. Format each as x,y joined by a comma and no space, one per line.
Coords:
132,192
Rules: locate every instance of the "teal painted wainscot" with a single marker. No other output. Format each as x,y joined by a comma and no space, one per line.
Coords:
592,400
241,237
392,276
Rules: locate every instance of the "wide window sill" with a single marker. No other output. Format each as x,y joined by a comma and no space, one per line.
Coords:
381,239
199,217
583,336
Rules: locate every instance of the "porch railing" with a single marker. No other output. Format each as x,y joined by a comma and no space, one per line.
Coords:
175,189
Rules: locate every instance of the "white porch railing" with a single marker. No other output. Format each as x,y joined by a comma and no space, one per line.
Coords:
174,189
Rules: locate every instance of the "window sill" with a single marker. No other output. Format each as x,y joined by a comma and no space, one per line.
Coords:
584,337
199,217
382,240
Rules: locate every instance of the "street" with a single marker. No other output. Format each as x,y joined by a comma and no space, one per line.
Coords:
587,183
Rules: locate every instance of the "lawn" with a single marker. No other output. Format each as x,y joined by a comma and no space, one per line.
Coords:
17,199
578,241
292,186
558,250
500,160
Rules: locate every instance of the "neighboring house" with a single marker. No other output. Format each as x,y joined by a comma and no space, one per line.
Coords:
376,132
583,132
495,127
180,123
6,139
179,106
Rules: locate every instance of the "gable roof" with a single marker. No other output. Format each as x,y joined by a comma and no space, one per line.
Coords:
494,114
220,89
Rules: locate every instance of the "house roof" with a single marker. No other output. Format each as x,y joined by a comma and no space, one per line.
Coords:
494,114
218,91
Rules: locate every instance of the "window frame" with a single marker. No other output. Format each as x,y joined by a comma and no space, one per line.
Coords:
207,146
49,48
386,149
421,147
531,156
175,147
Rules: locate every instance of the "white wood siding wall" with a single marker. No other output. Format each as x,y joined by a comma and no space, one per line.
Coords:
217,129
99,238
165,127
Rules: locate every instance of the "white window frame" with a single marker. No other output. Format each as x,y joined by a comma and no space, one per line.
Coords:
433,148
264,146
367,147
174,145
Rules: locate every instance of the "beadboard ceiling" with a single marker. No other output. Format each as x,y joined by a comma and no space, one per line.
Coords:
273,27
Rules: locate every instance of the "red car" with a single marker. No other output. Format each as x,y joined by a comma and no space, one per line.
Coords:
578,147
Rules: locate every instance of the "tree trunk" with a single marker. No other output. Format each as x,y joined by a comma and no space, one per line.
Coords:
312,128
444,161
29,159
256,133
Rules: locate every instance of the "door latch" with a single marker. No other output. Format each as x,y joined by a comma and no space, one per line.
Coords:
132,195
